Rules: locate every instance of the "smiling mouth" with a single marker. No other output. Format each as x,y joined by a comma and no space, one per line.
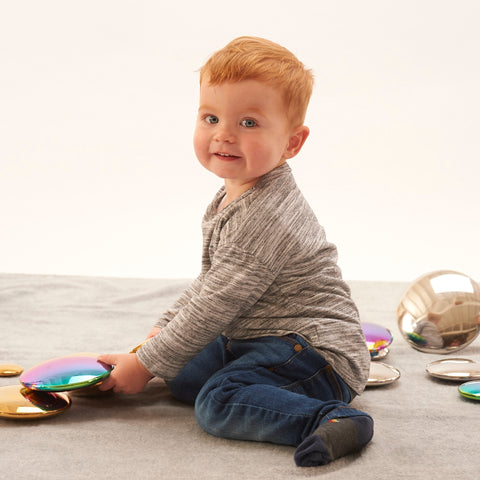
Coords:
225,156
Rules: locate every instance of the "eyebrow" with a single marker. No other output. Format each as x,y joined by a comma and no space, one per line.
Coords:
248,110
205,107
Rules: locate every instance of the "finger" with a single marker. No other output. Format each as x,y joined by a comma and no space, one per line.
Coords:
108,359
107,384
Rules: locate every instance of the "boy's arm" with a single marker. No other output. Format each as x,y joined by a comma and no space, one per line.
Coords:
184,298
129,375
235,282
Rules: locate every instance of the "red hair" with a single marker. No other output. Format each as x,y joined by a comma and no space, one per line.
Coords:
253,58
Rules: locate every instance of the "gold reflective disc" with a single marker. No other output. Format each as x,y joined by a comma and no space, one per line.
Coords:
138,347
382,374
20,403
10,370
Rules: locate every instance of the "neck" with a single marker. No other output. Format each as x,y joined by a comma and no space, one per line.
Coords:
234,190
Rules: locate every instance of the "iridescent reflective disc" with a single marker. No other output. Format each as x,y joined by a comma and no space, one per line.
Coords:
470,390
20,403
382,374
66,373
378,339
454,369
91,391
10,370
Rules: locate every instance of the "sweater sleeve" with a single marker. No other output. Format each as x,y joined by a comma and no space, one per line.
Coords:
235,281
184,298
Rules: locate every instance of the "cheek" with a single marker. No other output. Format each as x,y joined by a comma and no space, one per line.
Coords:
200,144
262,148
254,145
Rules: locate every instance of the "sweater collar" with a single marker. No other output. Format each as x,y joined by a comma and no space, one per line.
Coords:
277,174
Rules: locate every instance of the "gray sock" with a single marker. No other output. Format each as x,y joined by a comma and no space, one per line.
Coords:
334,439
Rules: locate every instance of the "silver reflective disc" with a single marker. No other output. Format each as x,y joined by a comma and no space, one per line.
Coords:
380,354
382,374
456,369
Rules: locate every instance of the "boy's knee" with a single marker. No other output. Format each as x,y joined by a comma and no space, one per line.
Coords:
212,412
206,412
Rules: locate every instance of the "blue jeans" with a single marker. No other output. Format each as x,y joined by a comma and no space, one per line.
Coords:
273,389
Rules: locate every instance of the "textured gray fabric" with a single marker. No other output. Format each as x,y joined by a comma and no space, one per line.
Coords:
267,269
423,428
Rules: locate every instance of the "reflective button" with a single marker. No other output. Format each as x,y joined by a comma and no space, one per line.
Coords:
297,347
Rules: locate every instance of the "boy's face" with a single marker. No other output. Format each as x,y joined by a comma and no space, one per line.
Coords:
242,131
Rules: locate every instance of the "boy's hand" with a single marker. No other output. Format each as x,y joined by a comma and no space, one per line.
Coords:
128,375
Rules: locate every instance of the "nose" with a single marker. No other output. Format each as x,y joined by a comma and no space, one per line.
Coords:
224,134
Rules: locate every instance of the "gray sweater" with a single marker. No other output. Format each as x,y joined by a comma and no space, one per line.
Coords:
267,269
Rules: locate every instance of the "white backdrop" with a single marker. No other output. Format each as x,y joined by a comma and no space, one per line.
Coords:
98,102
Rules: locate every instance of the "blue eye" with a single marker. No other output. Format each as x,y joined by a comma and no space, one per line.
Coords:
249,123
212,119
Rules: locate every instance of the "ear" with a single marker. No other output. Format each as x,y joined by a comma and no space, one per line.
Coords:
296,141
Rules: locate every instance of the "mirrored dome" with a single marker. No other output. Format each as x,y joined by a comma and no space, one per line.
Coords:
440,312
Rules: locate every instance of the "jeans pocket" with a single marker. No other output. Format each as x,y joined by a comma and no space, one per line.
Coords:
296,341
322,385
